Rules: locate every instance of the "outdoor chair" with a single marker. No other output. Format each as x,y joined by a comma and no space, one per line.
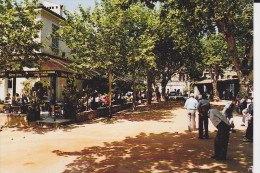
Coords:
15,109
7,108
57,111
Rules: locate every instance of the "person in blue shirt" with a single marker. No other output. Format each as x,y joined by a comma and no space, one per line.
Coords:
191,105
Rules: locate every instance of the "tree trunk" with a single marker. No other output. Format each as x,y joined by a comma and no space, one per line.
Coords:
110,92
233,52
149,89
134,89
215,89
225,27
164,84
215,83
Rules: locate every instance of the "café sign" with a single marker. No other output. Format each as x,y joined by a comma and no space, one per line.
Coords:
47,73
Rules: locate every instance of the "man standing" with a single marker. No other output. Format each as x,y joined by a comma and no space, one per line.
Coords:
242,105
222,137
203,108
191,106
249,131
227,111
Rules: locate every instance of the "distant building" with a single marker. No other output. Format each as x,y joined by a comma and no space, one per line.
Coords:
57,8
178,83
227,84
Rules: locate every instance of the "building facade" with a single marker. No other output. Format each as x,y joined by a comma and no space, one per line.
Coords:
56,70
179,83
227,84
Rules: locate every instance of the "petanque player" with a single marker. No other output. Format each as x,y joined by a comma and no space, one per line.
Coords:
191,106
222,137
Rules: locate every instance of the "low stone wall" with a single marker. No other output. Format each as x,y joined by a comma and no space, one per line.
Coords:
100,112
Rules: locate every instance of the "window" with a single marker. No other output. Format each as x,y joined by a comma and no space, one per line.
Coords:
10,85
180,77
55,37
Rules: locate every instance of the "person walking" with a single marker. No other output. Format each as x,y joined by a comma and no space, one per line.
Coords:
203,107
222,137
191,105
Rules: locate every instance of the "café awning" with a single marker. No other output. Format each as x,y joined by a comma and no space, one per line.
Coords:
209,81
51,68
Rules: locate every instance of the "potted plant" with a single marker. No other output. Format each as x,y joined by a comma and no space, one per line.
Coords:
35,93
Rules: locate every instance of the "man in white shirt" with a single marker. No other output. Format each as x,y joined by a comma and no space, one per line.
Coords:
227,111
222,137
191,105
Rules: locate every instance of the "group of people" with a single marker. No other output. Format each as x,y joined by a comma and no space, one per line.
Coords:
16,100
223,121
98,100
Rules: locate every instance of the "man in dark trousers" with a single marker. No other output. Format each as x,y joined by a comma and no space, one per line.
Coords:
222,137
203,108
249,131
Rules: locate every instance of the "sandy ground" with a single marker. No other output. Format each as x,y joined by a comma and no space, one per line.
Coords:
31,152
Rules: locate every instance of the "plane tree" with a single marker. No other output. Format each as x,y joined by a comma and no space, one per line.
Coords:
139,25
108,39
95,40
233,19
19,30
177,50
216,59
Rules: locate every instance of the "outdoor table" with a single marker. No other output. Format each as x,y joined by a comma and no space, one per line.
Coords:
15,108
57,109
24,108
7,106
61,105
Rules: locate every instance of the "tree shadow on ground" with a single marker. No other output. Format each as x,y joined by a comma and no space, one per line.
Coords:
160,112
156,112
164,152
19,123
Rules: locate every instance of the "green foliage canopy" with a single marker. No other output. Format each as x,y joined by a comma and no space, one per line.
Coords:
19,30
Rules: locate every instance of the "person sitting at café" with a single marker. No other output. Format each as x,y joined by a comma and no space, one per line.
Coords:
17,98
14,103
8,98
24,101
7,103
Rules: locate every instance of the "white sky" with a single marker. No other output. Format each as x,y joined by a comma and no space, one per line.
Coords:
71,5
